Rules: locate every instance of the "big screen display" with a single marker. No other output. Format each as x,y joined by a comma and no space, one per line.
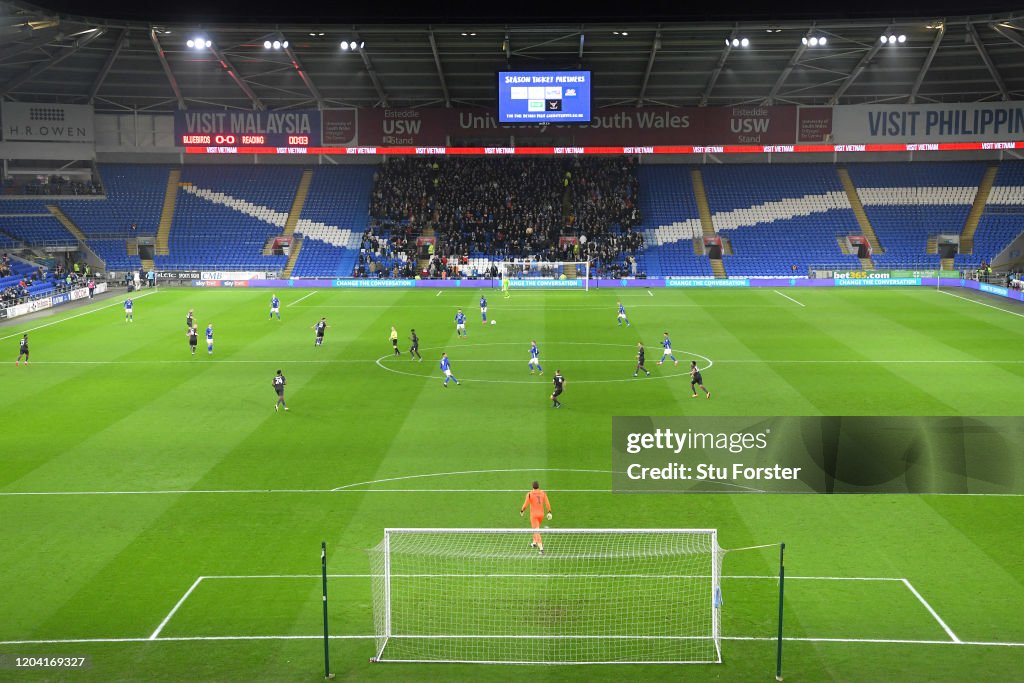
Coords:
544,96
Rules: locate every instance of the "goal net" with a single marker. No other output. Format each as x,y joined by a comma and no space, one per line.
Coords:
529,274
596,596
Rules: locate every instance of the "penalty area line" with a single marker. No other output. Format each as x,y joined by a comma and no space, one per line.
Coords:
785,296
301,298
981,303
153,636
945,627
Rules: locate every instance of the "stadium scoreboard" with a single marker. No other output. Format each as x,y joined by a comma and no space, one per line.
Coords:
288,129
544,97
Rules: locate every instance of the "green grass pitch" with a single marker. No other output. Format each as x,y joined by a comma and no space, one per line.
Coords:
130,469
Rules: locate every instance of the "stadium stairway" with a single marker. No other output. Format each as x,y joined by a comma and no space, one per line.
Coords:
293,253
163,231
946,264
977,209
707,224
76,232
290,223
570,271
933,245
68,224
858,211
300,200
148,264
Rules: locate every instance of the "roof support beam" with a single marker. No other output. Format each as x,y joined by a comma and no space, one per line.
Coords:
167,69
655,46
27,45
718,68
102,75
226,64
927,63
54,60
306,79
1009,35
440,71
1000,83
793,61
582,39
859,69
382,97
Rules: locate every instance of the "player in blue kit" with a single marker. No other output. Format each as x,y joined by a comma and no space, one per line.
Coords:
275,306
128,305
622,315
447,370
666,344
460,324
535,358
483,308
209,339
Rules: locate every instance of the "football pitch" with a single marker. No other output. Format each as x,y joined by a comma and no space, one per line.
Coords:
160,517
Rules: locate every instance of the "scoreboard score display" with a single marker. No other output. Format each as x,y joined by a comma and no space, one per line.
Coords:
298,128
544,97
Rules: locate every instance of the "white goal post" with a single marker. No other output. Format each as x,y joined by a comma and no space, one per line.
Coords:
595,596
530,274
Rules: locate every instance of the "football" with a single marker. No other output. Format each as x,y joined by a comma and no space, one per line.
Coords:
494,322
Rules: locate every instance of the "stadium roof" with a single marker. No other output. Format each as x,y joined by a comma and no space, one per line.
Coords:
126,65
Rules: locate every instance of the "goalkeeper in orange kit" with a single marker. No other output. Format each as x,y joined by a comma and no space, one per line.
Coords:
537,501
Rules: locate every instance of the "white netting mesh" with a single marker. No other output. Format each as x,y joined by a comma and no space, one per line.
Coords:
537,272
478,595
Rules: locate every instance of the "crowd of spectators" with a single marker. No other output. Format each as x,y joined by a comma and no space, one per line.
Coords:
388,254
514,208
62,278
51,185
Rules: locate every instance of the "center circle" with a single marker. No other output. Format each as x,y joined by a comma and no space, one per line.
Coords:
468,377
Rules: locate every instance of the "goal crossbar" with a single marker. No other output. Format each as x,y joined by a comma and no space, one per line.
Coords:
594,596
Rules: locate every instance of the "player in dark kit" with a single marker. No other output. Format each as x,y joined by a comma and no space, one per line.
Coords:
320,327
279,381
559,385
696,380
415,348
189,322
193,338
640,353
22,351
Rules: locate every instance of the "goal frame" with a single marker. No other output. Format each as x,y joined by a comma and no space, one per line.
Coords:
582,273
714,603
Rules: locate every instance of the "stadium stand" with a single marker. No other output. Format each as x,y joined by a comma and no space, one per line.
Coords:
225,215
671,221
781,216
334,217
908,202
1002,220
37,228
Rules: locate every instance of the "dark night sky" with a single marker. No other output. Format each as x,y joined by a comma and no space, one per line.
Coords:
458,11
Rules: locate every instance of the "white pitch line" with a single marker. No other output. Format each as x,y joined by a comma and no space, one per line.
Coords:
790,298
77,315
738,577
982,303
794,639
447,474
301,298
175,492
174,609
650,292
439,292
945,627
